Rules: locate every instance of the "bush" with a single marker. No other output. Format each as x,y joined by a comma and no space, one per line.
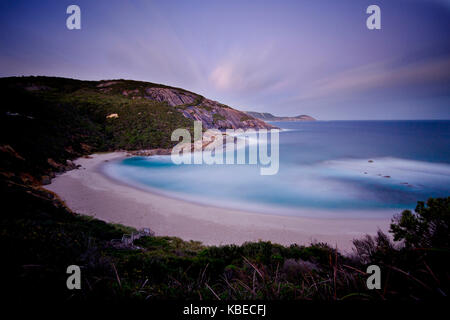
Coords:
428,227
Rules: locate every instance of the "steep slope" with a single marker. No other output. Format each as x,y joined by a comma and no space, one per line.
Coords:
193,106
270,117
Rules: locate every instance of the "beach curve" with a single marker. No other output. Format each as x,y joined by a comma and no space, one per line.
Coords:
89,192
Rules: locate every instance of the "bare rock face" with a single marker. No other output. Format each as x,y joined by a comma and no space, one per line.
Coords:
130,92
193,106
112,116
173,97
211,113
215,115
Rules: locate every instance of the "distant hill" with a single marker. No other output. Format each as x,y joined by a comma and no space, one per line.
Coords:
270,117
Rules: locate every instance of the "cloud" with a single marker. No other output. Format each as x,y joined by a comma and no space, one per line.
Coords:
378,76
251,72
222,76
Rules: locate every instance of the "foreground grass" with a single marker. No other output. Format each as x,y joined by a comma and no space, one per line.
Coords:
40,238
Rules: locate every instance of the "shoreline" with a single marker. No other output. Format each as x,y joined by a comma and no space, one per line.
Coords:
88,191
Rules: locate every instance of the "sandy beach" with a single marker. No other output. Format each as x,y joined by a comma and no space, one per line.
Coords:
87,191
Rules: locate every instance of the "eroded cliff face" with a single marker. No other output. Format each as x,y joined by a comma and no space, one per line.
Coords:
211,113
173,97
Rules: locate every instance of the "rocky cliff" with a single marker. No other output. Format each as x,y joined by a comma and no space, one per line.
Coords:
193,106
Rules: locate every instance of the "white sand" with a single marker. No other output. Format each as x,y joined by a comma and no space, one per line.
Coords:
87,191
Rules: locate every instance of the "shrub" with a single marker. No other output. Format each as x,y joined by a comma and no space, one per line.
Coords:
428,227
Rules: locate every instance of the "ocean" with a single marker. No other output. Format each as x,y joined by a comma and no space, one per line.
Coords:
327,169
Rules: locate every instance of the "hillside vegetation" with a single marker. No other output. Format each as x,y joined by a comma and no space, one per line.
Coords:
47,121
40,238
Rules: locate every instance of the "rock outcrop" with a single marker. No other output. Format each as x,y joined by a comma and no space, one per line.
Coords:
211,113
173,97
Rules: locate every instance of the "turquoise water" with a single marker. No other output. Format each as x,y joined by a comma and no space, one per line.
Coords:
328,168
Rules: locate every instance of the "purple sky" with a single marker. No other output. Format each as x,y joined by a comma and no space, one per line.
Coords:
285,57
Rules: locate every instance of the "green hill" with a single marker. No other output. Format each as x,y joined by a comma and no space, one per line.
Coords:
45,121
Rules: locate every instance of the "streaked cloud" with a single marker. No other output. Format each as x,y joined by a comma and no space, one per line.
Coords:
286,57
380,75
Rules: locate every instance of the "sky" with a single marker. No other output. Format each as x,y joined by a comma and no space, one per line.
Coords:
312,57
